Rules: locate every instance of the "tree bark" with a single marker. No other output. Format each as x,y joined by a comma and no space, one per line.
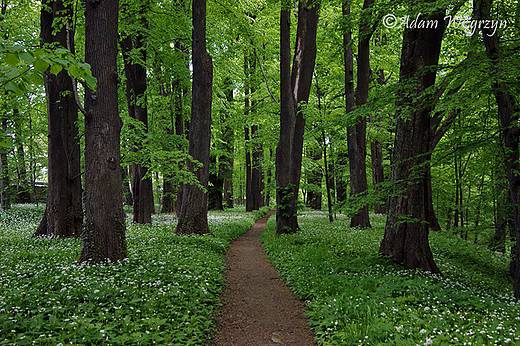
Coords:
104,233
194,211
314,196
63,215
5,195
356,134
508,112
406,231
226,168
294,88
135,73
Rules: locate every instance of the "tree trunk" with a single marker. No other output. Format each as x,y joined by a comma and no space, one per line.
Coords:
314,198
294,88
406,231
509,116
64,212
5,195
226,167
23,190
341,162
257,185
135,73
356,134
216,185
194,211
104,233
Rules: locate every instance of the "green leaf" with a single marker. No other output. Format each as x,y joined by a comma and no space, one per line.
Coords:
41,65
12,59
37,78
55,68
91,81
27,57
74,71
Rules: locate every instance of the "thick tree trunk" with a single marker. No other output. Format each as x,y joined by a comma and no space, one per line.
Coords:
356,133
406,231
135,74
64,213
104,233
194,211
294,88
508,112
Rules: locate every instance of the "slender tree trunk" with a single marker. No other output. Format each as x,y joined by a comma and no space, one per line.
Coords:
341,162
135,74
104,233
194,211
63,215
356,134
406,231
257,185
328,181
314,199
5,195
226,168
294,88
217,185
508,112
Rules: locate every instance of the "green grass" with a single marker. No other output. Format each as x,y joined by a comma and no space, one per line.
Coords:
165,293
355,297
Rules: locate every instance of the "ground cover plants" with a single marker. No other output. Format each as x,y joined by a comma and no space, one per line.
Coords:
165,293
355,297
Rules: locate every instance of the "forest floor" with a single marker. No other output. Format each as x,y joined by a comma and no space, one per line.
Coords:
258,307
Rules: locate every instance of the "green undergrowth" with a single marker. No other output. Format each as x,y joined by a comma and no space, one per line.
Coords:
165,293
355,297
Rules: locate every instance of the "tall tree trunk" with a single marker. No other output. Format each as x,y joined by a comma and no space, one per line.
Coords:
135,73
226,167
341,163
406,231
5,195
104,233
294,88
257,185
247,138
356,133
508,112
23,190
194,211
215,198
314,199
63,215
349,93
376,152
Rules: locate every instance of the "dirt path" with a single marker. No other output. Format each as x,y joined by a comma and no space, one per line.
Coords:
258,307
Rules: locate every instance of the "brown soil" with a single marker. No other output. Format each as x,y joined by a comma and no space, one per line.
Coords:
258,307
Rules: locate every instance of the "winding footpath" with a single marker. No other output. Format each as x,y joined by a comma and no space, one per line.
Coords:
258,307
